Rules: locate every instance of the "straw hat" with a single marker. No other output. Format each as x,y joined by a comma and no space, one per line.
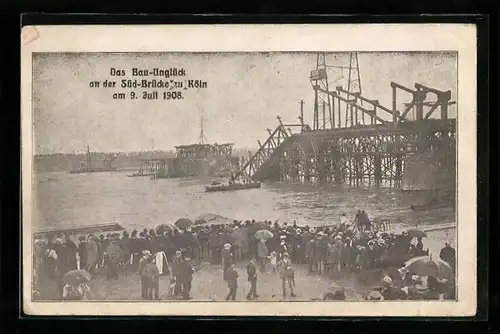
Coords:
421,288
375,295
283,237
403,271
387,281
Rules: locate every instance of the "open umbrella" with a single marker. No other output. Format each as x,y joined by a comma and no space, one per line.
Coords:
427,266
260,225
76,277
200,222
162,228
416,233
183,223
263,234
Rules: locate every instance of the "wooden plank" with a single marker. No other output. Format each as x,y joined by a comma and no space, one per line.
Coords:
108,227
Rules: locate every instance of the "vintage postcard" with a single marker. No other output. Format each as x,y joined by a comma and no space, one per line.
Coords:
279,170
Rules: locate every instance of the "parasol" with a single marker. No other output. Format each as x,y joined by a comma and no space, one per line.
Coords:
76,277
183,223
426,266
162,228
214,219
200,222
260,225
416,233
263,234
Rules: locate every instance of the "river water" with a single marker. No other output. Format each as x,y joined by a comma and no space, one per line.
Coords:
70,200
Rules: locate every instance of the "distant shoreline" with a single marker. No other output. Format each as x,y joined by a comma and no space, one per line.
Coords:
64,162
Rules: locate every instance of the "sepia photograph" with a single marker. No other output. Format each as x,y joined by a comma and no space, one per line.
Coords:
207,176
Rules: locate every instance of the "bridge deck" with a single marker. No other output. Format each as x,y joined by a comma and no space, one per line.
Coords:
380,129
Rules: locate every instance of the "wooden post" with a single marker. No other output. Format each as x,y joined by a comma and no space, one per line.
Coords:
339,111
324,116
333,112
302,112
394,107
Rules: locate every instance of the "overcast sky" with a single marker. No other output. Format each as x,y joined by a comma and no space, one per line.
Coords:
245,92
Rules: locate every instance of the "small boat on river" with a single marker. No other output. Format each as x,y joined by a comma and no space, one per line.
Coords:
141,172
87,167
232,186
138,174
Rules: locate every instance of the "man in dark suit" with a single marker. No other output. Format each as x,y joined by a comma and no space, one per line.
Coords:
252,278
232,282
186,277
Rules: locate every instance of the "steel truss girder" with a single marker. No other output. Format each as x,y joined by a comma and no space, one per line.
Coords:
266,150
373,158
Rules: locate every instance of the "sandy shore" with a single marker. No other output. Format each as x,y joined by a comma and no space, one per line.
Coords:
208,285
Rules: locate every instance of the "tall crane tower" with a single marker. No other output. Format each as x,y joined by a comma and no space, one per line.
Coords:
325,116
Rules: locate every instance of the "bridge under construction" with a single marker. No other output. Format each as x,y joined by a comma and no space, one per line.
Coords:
356,140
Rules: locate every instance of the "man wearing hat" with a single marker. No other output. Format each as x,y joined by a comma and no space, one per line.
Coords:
145,283
176,271
262,254
185,277
113,256
447,254
310,255
287,274
151,276
282,248
227,258
231,277
297,248
252,278
389,291
82,253
343,221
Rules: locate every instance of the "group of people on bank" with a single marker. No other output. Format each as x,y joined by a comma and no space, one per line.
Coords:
330,251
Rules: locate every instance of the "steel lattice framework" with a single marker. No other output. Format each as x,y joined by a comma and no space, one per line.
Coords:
208,159
372,156
357,153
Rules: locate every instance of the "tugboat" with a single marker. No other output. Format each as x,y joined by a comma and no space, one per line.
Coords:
141,172
232,185
88,168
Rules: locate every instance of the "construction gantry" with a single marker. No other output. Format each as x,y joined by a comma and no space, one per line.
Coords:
354,142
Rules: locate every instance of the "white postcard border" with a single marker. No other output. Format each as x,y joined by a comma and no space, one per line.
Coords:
247,38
